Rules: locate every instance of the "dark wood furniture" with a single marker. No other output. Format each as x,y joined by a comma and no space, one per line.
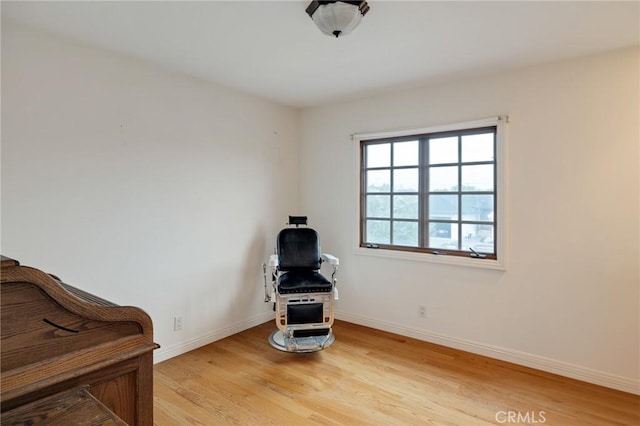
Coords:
74,407
56,338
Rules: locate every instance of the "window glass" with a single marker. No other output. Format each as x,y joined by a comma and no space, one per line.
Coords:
405,153
379,155
379,206
405,206
477,148
378,181
480,237
405,233
477,178
378,231
443,207
443,150
477,207
443,179
405,180
443,235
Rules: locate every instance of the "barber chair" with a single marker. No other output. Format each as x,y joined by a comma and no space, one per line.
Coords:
303,297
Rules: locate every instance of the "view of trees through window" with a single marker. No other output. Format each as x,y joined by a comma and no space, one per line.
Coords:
434,192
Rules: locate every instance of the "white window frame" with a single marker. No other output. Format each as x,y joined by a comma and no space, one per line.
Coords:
501,191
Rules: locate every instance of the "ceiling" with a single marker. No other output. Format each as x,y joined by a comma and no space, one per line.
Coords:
273,50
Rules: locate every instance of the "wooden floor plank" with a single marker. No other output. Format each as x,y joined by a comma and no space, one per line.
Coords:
370,377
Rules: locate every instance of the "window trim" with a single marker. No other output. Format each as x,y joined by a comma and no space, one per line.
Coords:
499,122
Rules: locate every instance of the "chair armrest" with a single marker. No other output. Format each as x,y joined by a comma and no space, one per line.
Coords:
331,260
273,261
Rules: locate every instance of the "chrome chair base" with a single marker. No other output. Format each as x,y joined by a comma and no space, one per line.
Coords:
278,340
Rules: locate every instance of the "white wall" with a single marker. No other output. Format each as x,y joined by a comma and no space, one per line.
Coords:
568,301
142,186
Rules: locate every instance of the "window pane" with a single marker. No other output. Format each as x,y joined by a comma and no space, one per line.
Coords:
405,233
443,235
477,207
405,153
378,231
477,147
477,178
378,206
405,180
480,237
443,150
378,181
443,207
443,179
379,155
405,206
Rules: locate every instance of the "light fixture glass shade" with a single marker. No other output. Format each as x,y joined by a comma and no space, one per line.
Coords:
336,19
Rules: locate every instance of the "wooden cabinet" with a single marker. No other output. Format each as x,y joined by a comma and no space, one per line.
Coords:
55,338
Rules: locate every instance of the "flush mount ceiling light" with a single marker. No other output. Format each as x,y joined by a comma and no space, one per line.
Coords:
337,17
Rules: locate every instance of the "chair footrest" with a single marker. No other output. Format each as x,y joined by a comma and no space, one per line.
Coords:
311,332
307,343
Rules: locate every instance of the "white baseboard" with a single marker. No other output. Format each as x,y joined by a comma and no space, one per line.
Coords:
562,368
164,354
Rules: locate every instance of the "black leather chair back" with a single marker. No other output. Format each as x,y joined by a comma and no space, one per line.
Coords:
298,248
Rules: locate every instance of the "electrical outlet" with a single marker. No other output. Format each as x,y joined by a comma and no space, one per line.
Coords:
422,311
177,323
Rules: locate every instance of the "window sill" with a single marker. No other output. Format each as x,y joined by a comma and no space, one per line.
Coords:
433,258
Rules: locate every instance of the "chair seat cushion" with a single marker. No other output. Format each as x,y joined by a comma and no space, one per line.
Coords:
303,281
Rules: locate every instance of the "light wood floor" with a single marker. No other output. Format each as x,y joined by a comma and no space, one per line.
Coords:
370,377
